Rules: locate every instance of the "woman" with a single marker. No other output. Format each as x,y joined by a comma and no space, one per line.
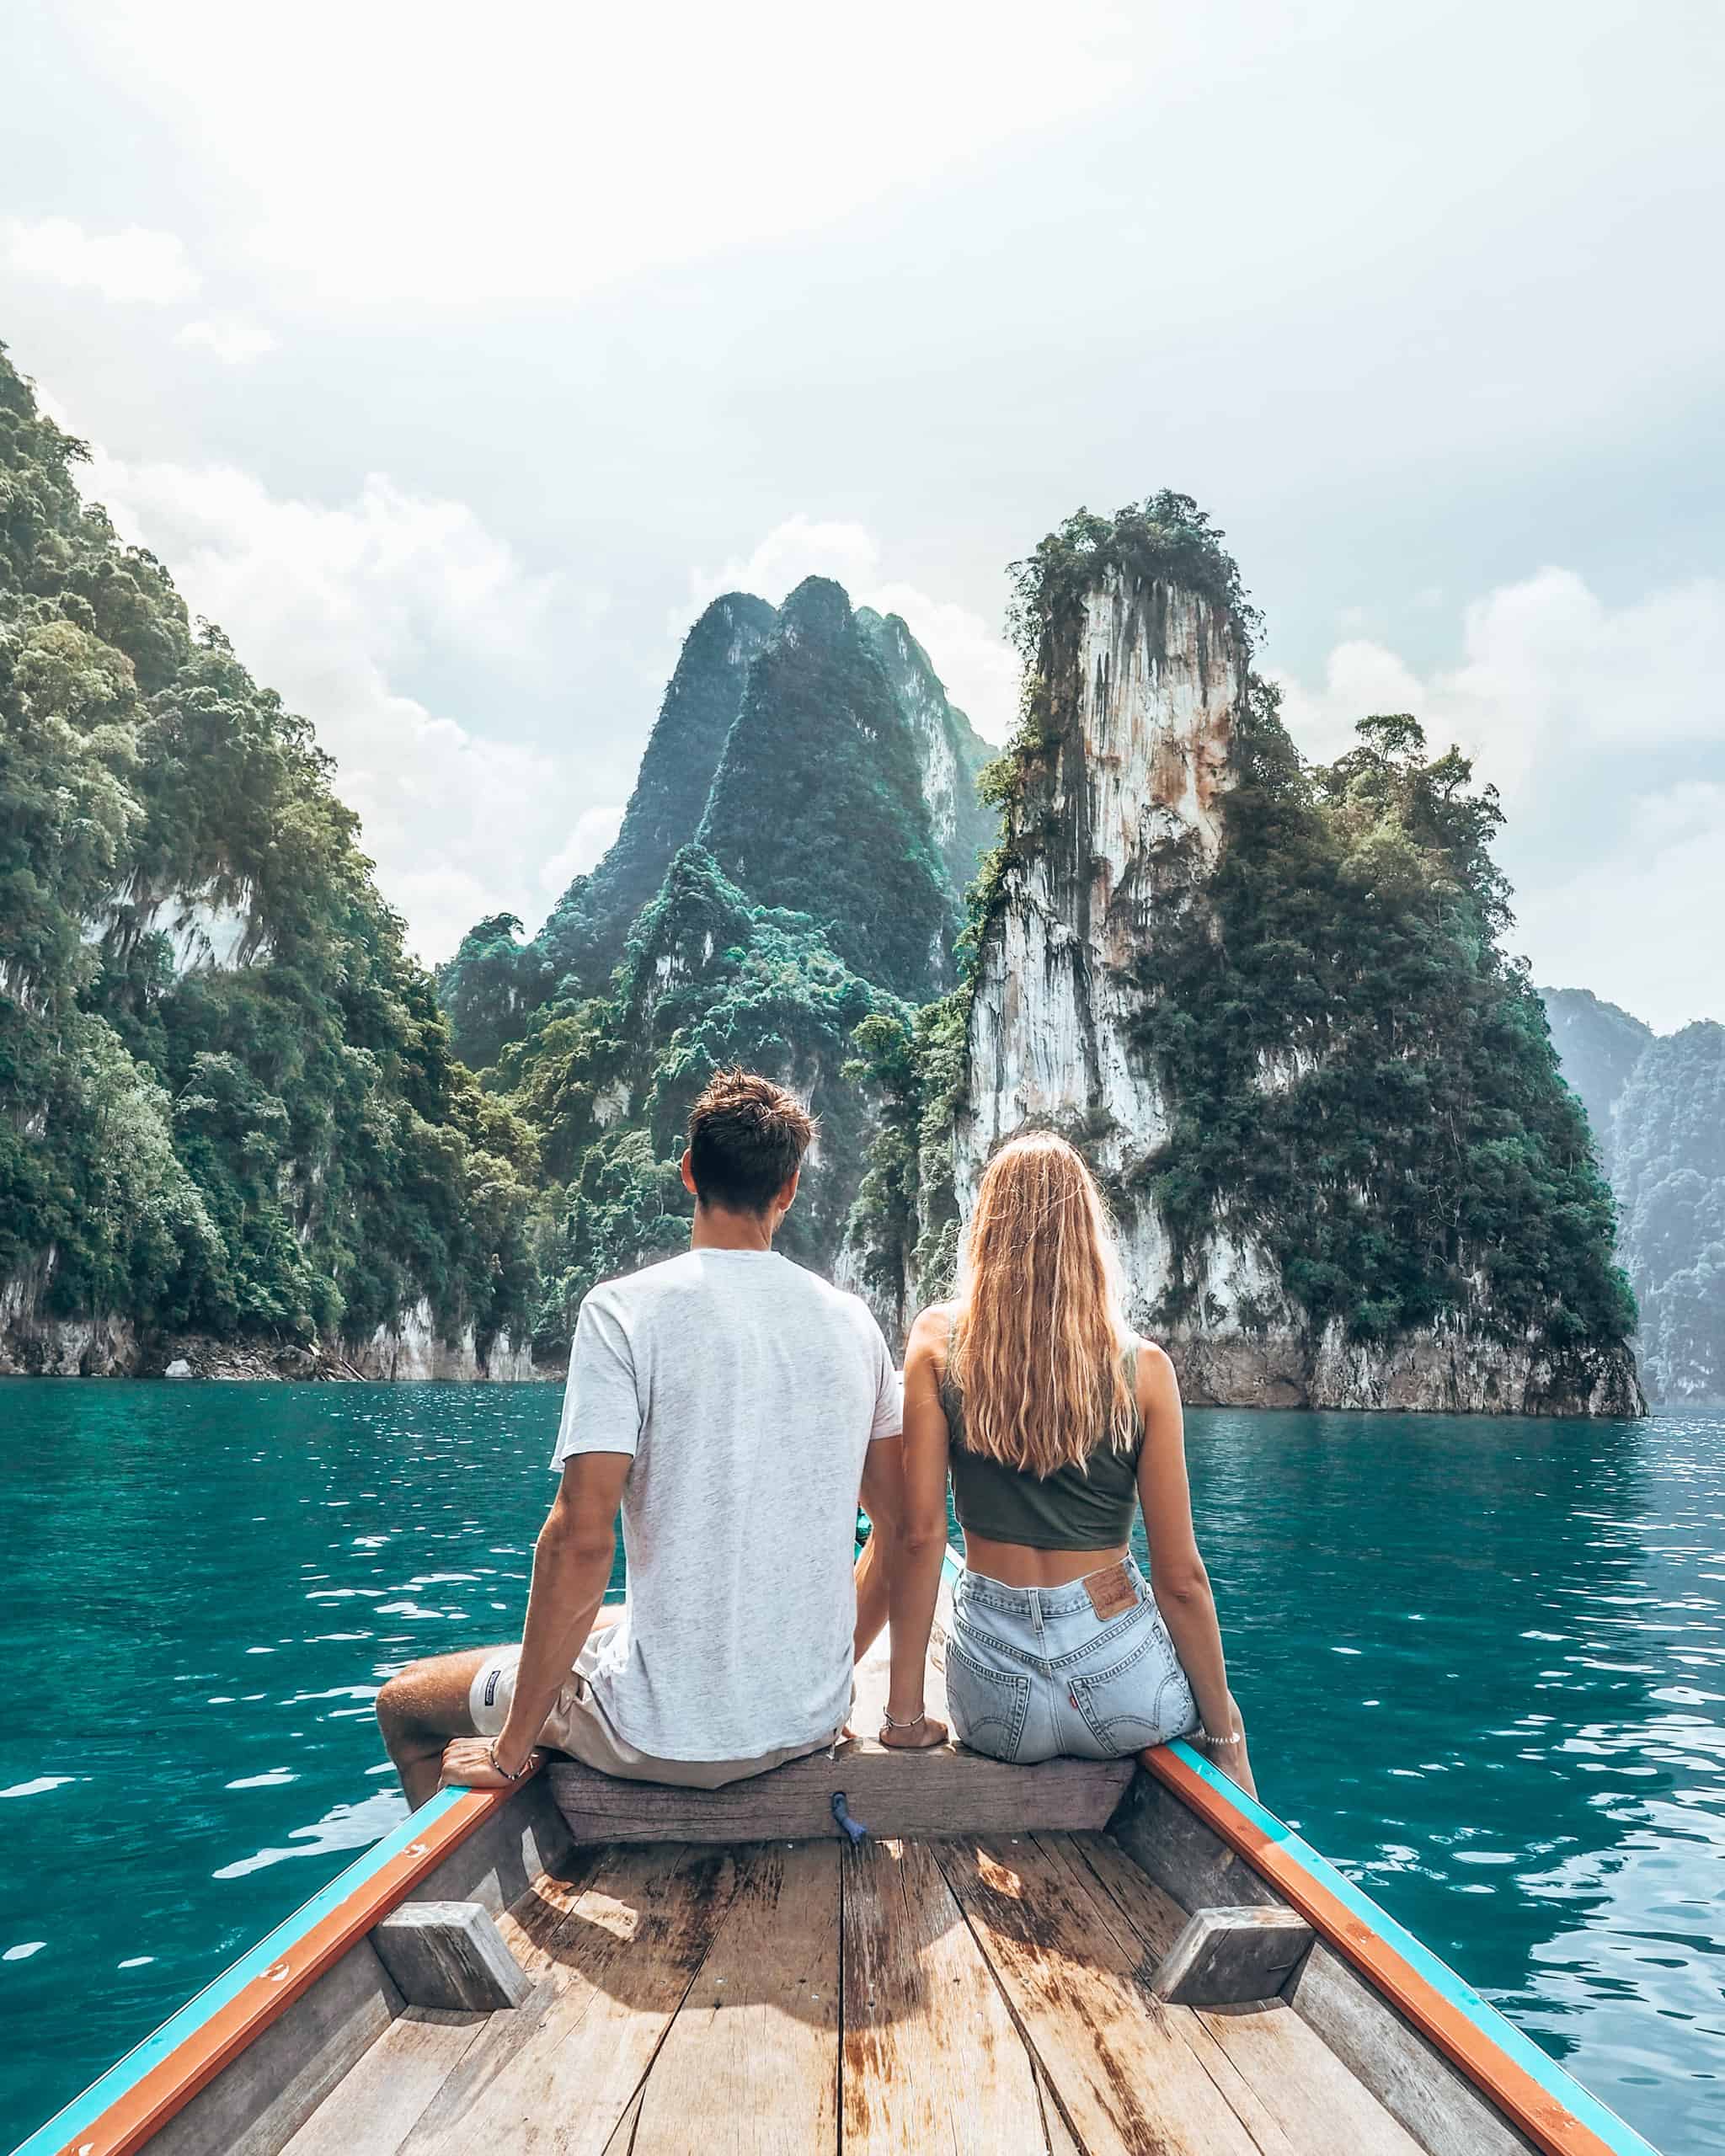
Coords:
1053,1418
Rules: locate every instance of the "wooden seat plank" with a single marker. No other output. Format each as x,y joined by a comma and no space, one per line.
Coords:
1319,2104
751,2062
930,2057
560,2072
899,1796
1123,2075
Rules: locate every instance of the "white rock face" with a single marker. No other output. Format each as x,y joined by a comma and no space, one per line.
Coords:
205,934
33,1344
934,754
411,1348
414,1349
1134,802
1124,823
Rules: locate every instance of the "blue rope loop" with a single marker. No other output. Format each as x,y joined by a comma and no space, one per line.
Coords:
841,1812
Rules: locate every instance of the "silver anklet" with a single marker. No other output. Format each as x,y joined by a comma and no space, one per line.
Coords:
911,1724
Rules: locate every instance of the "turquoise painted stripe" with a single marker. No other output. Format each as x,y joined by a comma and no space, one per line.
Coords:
1442,1978
83,2111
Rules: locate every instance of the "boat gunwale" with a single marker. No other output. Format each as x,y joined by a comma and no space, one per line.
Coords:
120,2111
1541,2098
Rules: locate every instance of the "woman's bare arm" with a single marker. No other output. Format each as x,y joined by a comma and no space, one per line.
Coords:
1177,1577
921,1547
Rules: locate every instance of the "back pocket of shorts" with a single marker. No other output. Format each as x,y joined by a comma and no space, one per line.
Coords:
987,1706
1143,1699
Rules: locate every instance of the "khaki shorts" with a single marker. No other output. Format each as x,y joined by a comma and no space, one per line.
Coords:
577,1724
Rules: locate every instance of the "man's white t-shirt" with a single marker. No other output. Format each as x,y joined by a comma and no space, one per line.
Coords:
748,1391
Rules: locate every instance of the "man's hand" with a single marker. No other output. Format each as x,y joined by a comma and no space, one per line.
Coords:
466,1764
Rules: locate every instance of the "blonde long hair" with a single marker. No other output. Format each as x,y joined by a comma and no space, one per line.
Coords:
1039,1335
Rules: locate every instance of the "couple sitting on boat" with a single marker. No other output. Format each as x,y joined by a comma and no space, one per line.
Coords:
736,1408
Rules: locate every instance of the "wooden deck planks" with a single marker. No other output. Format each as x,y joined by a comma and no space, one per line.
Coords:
1123,2074
371,2111
1077,1855
932,2059
966,1996
560,2073
1317,2102
751,2063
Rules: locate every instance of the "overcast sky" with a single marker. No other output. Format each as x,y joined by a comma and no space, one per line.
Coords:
451,358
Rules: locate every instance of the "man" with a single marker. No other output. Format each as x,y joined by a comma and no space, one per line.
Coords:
733,1406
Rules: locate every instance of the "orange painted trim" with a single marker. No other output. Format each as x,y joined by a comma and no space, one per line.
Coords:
144,2109
1539,2115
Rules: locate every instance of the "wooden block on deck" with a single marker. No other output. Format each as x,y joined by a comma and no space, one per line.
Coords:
450,1954
905,1795
1231,1957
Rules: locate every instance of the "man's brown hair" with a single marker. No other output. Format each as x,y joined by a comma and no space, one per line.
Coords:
747,1138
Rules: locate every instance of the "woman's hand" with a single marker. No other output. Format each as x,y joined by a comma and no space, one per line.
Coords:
466,1764
1226,1749
924,1734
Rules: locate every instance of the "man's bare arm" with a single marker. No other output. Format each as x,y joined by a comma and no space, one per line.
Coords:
572,1563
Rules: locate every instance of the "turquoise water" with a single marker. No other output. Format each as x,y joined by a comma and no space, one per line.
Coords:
1483,1662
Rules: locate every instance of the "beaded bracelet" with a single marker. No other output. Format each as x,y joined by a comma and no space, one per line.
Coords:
1204,1737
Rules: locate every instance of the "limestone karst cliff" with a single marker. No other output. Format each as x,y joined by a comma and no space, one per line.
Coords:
228,1112
1270,1005
818,803
1657,1105
950,752
708,979
849,790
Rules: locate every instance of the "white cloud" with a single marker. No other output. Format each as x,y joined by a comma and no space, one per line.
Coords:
594,830
1578,712
976,665
233,342
1548,668
587,151
1640,927
331,605
133,264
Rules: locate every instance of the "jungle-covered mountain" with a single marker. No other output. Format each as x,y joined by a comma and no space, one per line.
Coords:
793,747
229,1107
813,879
1657,1105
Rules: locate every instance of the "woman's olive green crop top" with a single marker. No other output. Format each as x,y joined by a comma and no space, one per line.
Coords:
1088,1508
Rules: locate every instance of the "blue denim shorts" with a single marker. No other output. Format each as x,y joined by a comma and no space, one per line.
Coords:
1033,1672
